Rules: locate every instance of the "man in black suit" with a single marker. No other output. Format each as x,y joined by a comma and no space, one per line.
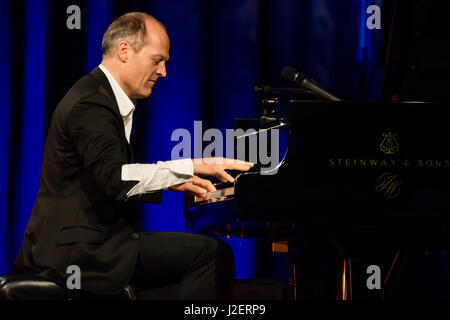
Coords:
86,212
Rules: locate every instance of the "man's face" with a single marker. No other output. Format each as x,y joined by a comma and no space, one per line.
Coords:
143,68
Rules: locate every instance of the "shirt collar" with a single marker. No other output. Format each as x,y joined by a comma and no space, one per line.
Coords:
126,106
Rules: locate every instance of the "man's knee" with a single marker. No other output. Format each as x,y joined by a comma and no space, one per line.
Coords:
216,248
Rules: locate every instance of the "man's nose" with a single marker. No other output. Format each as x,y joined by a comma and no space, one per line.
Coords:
162,69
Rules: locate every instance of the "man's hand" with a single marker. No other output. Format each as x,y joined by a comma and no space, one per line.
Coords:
197,186
216,167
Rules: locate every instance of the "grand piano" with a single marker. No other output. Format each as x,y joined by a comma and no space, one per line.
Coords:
359,183
354,179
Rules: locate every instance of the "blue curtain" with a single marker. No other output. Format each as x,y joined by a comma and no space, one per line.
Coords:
5,103
219,51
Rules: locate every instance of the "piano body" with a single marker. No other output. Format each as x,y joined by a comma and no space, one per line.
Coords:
356,179
359,180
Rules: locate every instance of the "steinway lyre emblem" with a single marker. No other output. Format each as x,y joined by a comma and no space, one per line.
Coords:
389,145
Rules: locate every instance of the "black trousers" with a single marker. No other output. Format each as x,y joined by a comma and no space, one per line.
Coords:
200,267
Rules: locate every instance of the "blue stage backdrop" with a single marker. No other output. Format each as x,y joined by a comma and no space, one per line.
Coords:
219,51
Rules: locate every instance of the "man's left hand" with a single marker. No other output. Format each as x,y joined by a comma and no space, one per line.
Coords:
197,186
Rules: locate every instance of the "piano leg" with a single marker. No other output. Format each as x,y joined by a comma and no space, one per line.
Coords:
394,271
317,274
344,285
325,273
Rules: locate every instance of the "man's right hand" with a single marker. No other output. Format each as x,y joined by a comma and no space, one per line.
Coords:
216,167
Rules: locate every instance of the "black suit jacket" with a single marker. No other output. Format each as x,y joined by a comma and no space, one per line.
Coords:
81,215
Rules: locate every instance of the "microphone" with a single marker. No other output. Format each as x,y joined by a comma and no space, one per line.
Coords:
299,80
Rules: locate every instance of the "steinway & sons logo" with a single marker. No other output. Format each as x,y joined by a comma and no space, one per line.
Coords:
389,145
389,181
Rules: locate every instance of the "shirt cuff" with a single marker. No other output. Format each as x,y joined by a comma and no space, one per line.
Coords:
159,176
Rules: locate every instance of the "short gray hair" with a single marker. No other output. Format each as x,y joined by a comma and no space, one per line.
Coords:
130,27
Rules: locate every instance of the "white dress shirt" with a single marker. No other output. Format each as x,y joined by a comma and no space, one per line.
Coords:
151,176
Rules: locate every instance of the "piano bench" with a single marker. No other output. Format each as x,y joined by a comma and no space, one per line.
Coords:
34,287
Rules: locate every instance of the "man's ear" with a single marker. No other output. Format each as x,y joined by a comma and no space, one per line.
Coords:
123,50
